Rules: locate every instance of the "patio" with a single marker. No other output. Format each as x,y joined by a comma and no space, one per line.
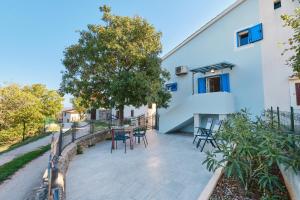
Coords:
169,168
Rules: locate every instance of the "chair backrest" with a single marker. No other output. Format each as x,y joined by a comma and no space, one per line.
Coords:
119,132
217,126
209,123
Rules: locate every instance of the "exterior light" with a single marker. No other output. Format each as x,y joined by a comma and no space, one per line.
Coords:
212,70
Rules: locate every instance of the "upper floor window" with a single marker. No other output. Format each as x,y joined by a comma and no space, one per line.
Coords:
213,84
243,38
132,113
250,35
218,83
277,4
171,87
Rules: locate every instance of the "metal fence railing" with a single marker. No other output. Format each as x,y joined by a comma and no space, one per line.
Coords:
286,121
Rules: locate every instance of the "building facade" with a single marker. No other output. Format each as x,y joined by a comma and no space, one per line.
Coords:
232,62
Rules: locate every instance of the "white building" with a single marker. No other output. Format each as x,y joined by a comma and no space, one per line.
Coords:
232,62
129,112
70,115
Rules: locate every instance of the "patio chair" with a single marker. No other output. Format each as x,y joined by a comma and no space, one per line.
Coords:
119,135
202,131
210,136
140,133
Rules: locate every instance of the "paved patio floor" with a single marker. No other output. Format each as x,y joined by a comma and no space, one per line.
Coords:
169,168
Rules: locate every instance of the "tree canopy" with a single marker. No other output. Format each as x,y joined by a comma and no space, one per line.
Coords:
79,106
116,64
24,109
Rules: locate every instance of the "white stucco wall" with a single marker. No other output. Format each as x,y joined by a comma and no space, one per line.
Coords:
143,110
71,117
275,71
217,44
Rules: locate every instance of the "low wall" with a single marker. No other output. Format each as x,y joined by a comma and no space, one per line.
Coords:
70,152
292,182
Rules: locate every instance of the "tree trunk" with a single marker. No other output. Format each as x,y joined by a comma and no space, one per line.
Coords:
24,129
121,114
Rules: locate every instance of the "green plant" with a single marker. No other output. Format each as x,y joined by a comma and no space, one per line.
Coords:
79,149
250,151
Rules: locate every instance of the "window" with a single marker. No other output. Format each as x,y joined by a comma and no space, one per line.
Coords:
117,113
171,87
250,35
150,105
65,114
243,38
218,83
277,4
214,84
132,113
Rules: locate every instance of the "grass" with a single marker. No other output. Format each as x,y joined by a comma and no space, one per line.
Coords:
100,126
7,148
8,169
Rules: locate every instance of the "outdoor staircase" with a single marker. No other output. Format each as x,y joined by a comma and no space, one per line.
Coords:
209,103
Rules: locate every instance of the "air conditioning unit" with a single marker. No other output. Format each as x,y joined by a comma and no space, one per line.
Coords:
181,70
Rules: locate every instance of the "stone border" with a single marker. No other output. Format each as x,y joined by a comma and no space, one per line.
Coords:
70,152
288,175
211,185
292,182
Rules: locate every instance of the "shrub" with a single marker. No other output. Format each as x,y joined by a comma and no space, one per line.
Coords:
250,150
79,150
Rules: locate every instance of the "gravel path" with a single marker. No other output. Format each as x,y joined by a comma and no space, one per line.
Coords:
25,180
8,156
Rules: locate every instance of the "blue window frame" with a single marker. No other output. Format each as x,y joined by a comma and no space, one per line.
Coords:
250,35
171,87
224,83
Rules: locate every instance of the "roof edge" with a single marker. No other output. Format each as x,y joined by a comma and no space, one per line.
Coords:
204,27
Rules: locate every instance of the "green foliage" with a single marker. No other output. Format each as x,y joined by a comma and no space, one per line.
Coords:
79,150
293,21
50,100
24,110
251,150
26,141
79,106
8,169
116,64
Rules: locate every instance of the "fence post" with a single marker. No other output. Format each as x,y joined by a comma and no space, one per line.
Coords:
92,127
292,120
278,117
60,141
272,117
73,128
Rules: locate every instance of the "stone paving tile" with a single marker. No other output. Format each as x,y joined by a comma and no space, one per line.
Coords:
169,168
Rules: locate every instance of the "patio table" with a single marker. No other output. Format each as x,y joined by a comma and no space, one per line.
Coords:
127,129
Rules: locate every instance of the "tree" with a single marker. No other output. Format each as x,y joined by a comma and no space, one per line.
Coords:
50,99
116,64
293,21
79,106
19,108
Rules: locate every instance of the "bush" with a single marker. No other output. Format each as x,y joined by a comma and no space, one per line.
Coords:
79,150
250,151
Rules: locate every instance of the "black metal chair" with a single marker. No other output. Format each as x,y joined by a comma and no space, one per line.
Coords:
202,131
210,135
119,135
140,133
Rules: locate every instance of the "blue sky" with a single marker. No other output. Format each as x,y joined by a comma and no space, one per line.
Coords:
34,33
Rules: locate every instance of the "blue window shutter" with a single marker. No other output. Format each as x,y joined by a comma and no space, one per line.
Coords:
225,84
256,33
174,87
201,85
171,87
